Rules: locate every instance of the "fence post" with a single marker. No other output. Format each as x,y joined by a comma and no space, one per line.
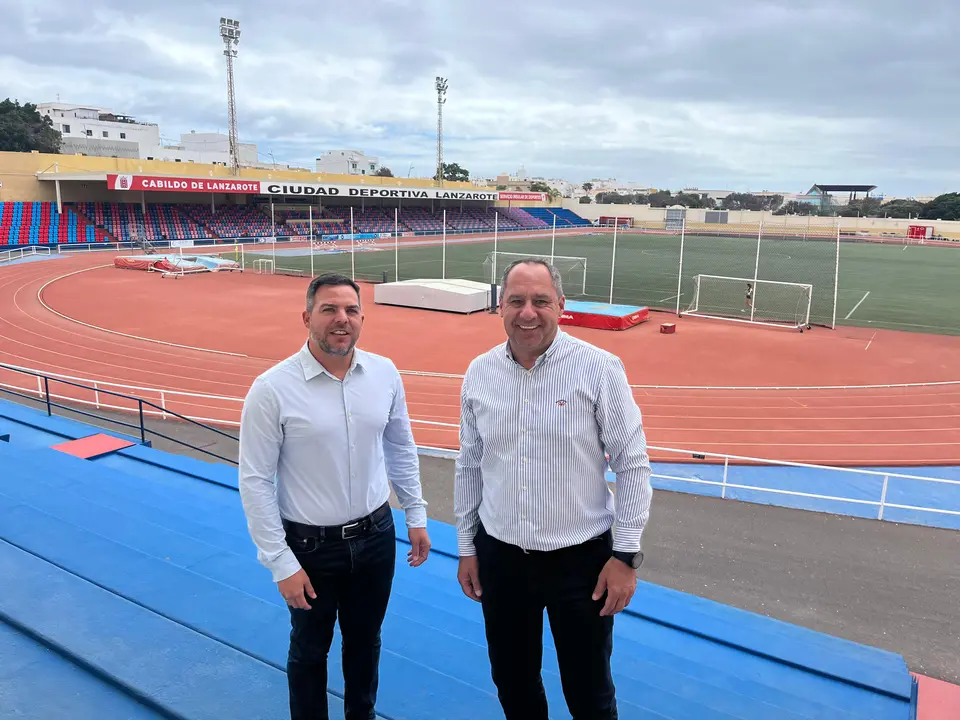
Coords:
613,261
723,488
353,258
683,232
163,406
96,396
883,496
836,279
553,238
143,430
756,272
46,392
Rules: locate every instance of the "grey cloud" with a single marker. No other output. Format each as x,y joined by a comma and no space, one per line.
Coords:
754,92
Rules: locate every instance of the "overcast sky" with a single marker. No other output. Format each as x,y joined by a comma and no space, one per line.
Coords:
742,95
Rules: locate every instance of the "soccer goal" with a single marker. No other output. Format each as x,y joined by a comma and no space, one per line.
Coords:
573,270
760,302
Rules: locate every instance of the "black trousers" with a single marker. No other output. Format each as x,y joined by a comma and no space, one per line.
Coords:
517,587
352,579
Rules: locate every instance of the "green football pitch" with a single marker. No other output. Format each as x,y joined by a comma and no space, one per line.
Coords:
900,287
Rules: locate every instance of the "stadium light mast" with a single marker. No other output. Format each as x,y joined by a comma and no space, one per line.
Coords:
441,86
230,33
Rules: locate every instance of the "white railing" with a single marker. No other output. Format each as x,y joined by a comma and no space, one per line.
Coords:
19,253
741,462
873,480
167,399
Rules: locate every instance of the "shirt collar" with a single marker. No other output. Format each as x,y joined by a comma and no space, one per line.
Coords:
559,339
312,367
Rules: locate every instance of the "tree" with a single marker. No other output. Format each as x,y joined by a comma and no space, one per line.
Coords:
749,201
795,207
587,186
23,129
865,207
901,209
454,173
384,171
585,200
552,193
942,207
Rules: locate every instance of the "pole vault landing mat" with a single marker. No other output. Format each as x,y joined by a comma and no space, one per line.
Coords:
602,316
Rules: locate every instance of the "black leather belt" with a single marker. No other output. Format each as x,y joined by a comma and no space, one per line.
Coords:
337,532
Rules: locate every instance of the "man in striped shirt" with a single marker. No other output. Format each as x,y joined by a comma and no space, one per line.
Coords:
540,413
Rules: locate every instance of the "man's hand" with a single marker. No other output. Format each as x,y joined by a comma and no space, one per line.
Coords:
295,590
619,580
419,546
468,574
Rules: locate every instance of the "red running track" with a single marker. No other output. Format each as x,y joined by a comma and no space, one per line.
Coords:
257,319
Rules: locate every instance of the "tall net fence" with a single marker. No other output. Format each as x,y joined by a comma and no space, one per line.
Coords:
655,266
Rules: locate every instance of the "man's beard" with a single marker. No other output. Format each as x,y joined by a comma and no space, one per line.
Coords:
330,350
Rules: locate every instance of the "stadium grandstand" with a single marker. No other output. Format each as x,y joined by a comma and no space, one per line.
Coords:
113,200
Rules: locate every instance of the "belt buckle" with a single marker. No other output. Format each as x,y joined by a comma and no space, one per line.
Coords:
343,530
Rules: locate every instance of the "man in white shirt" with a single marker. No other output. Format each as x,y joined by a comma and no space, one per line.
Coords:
323,435
539,416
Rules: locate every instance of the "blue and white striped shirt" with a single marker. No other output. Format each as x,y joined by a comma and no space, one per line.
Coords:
534,446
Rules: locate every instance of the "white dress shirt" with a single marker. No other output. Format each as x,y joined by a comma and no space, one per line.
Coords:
534,445
319,451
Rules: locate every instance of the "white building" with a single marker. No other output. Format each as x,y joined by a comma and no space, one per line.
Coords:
347,162
89,130
206,148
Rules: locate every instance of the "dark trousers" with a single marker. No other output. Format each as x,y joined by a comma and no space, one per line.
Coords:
517,587
352,579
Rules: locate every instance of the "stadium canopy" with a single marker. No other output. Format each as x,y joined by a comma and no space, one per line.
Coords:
281,190
820,189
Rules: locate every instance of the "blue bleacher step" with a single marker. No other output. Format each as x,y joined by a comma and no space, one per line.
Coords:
157,661
464,659
409,687
39,682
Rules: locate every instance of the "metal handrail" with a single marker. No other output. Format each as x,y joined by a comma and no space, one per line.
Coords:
141,403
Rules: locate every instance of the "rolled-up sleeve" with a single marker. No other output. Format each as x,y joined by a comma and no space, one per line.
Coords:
401,458
625,442
261,436
468,479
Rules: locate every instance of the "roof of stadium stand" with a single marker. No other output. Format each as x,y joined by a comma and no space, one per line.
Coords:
266,185
843,188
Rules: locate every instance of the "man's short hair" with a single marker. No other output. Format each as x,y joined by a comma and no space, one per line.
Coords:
555,276
328,280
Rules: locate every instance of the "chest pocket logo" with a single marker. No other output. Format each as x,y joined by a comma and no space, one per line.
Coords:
561,403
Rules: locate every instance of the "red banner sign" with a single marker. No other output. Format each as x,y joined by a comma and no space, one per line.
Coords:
529,196
182,184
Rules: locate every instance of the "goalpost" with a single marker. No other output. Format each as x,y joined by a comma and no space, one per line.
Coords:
573,270
759,302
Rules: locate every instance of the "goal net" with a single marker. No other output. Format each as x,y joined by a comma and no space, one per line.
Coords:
762,302
573,270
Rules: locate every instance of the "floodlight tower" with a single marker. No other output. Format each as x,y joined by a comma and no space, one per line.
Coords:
230,33
441,86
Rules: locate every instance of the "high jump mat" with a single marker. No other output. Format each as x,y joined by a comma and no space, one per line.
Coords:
602,316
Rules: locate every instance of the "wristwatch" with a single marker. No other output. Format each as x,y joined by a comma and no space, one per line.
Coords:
634,560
